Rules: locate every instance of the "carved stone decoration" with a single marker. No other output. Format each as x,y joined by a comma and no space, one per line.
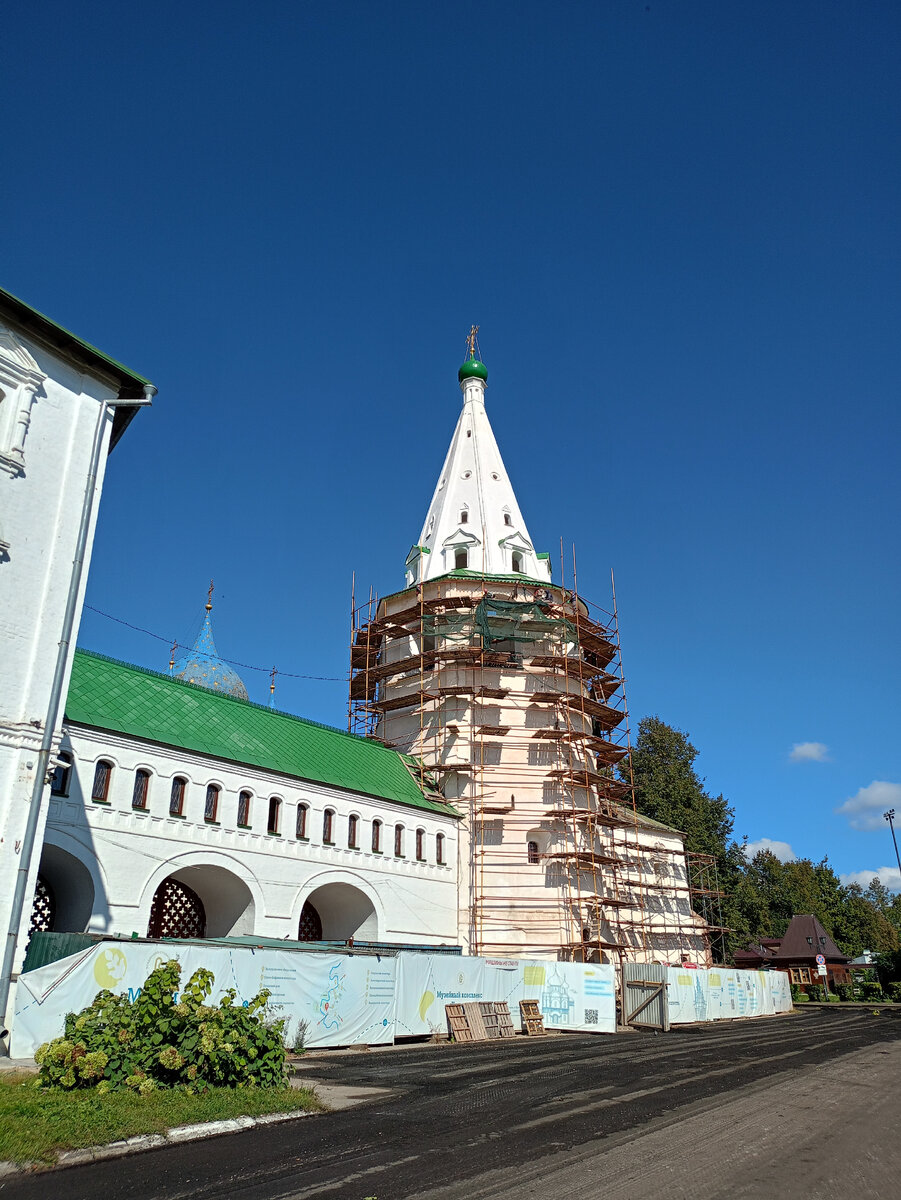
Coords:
20,381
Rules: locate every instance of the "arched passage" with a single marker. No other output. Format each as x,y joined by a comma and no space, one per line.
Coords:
343,912
201,901
64,896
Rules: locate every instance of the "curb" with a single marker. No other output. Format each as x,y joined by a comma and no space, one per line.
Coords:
152,1141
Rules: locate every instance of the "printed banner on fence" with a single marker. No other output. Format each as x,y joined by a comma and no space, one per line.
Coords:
344,1000
722,993
573,996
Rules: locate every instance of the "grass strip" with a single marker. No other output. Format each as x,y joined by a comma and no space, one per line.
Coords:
35,1124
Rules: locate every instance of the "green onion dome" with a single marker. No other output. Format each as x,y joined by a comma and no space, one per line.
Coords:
473,369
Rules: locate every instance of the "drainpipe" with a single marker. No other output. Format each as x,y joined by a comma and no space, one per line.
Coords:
56,694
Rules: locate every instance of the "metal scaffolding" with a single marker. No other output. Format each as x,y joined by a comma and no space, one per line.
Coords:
510,695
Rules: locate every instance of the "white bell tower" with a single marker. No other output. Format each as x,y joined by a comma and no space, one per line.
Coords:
474,522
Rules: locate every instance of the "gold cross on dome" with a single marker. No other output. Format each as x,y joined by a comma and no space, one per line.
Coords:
471,340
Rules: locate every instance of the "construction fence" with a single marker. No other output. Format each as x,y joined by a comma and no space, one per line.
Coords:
351,999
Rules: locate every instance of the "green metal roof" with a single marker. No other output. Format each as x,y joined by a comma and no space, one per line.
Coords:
111,695
466,573
64,338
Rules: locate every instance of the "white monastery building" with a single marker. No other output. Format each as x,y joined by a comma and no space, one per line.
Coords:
481,796
63,407
180,811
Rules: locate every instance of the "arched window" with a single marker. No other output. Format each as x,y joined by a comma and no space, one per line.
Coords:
508,520
439,849
376,837
516,560
328,827
302,810
103,773
177,796
398,841
353,826
533,855
461,559
464,516
59,783
275,814
211,803
140,789
420,845
244,810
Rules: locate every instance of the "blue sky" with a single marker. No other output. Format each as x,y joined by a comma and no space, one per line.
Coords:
678,227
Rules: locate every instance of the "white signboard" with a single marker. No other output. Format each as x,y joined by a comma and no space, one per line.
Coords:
574,996
821,969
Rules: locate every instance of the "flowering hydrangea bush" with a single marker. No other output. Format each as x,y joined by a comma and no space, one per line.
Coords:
165,1039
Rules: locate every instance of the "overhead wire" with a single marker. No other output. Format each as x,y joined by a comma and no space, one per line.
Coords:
232,662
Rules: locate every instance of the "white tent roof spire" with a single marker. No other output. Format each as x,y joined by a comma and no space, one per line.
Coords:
474,521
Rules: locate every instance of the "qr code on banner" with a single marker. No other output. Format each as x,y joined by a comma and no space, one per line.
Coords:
591,1016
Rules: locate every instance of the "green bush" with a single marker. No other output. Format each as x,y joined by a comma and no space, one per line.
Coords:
815,992
796,992
845,991
894,991
870,990
802,998
163,1039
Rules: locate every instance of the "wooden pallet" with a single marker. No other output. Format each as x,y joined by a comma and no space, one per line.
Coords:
457,1023
480,1031
531,1018
498,1013
479,1021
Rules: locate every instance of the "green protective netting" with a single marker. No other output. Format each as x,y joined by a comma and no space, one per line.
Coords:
502,621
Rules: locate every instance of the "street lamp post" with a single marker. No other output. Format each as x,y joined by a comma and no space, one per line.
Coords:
890,817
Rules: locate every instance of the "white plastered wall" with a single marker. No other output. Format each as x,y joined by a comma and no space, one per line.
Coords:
131,852
48,417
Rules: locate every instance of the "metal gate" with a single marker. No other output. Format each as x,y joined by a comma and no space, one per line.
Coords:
644,996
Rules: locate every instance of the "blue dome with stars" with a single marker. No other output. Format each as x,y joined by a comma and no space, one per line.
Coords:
203,666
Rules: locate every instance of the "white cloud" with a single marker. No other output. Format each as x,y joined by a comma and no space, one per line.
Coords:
809,752
864,810
890,876
782,850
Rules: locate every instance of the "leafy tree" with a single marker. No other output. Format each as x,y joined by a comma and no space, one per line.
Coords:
763,894
668,789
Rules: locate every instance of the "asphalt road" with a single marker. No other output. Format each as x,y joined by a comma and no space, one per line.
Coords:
745,1109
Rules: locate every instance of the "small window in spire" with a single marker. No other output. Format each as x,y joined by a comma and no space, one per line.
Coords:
508,520
467,474
469,433
464,517
461,559
517,561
